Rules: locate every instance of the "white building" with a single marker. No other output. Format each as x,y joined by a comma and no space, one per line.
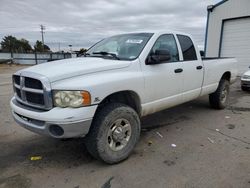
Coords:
228,31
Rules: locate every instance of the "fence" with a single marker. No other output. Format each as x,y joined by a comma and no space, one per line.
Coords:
34,58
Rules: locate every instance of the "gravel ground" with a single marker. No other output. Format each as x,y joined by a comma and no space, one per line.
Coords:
212,149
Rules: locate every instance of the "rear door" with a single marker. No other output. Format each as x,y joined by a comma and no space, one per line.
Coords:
192,69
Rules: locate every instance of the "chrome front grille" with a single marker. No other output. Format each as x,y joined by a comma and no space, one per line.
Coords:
32,90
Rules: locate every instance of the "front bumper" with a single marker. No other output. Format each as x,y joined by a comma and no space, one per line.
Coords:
245,83
57,122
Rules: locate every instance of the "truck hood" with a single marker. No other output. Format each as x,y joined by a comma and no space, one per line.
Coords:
67,68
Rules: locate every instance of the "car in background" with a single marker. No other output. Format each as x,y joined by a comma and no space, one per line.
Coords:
245,81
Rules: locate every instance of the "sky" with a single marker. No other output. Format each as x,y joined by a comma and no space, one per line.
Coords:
81,23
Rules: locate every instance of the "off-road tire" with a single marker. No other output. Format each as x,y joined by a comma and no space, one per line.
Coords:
97,141
215,98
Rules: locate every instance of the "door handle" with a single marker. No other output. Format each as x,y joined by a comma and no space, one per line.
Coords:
199,67
178,70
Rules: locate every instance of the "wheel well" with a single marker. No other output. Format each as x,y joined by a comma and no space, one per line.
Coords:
226,76
129,98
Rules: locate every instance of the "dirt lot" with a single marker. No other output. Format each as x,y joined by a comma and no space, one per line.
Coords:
203,156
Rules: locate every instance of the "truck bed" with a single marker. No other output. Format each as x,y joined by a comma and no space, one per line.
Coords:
214,68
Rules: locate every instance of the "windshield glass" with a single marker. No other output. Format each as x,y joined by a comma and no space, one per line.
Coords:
123,47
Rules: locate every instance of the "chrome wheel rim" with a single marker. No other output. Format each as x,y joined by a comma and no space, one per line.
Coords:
224,94
119,134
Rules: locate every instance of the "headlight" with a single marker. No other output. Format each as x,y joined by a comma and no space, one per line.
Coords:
71,98
246,77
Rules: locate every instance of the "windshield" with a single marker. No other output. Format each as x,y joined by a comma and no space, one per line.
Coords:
121,47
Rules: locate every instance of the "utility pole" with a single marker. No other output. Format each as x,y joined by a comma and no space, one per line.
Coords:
70,48
42,31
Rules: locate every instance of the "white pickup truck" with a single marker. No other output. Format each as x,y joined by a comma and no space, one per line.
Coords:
103,94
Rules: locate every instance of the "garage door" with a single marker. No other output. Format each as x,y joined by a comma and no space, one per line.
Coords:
236,42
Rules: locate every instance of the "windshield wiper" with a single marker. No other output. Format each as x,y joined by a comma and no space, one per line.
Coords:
86,54
107,53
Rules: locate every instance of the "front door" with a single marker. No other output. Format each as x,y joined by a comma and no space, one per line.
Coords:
163,81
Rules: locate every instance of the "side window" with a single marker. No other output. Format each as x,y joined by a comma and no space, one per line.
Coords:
167,42
187,48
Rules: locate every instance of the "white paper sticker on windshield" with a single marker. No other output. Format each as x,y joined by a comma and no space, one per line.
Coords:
134,41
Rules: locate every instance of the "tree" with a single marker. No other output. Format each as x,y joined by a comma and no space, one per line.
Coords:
40,48
24,46
12,44
9,43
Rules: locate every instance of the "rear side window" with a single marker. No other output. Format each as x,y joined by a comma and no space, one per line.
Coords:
187,48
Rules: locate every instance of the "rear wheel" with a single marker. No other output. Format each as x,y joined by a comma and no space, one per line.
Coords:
114,133
219,99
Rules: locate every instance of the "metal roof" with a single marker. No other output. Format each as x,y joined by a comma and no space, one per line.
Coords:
216,5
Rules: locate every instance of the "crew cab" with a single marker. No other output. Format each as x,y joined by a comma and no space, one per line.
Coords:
103,94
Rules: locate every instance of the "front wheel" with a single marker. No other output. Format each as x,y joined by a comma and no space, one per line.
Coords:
219,99
114,133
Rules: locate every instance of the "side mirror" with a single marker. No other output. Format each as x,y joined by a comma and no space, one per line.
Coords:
158,57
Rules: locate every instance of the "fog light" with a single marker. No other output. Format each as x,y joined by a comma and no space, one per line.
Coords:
56,130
